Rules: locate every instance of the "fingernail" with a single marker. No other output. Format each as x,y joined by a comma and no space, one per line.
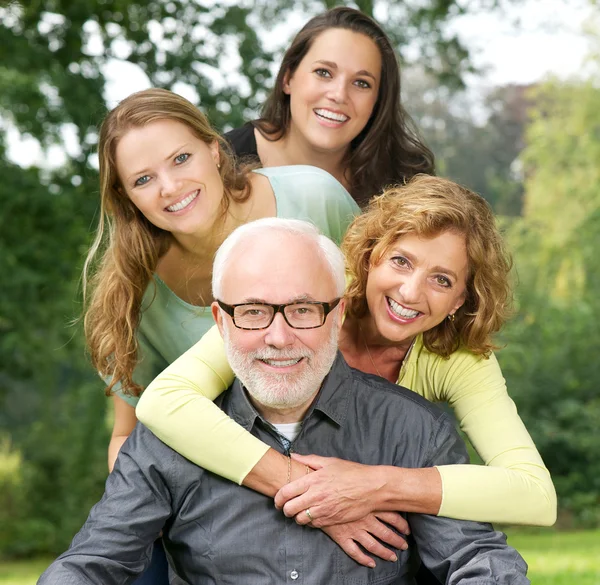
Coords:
372,564
393,558
404,546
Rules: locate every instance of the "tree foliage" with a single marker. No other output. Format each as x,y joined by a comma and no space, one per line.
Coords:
477,145
550,359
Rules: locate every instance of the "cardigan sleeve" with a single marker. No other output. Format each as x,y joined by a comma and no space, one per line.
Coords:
514,485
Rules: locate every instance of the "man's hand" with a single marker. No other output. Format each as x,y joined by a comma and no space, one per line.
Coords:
366,532
337,492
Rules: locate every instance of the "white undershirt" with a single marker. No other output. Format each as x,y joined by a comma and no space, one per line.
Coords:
289,430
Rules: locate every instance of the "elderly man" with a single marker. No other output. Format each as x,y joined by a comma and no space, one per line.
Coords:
278,285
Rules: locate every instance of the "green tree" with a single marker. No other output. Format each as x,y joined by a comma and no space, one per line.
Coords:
477,145
550,361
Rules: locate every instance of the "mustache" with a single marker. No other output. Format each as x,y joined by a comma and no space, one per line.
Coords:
270,354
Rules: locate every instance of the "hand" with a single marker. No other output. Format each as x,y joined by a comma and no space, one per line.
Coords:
337,492
348,536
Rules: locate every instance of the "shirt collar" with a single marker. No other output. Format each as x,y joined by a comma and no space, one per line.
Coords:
332,399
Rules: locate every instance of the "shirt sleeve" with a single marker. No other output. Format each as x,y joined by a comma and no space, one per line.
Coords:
462,551
177,407
514,486
115,543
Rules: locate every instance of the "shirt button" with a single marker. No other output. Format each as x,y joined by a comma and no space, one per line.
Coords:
294,575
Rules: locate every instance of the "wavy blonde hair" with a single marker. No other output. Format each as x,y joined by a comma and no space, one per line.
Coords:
127,247
427,206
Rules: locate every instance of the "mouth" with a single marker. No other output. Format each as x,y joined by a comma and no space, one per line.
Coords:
331,118
401,312
183,203
281,363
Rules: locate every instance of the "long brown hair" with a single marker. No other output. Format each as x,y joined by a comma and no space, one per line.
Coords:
388,150
428,206
127,247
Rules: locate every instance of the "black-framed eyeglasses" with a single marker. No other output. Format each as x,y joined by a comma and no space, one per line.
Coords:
298,315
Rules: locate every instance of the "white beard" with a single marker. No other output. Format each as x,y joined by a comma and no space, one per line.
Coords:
282,391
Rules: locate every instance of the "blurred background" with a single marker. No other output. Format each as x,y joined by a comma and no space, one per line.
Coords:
505,92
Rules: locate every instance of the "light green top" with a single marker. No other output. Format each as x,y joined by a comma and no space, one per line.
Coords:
513,487
169,326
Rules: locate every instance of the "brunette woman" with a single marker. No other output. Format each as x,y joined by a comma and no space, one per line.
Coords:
336,105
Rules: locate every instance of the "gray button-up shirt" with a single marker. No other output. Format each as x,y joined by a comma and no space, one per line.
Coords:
218,532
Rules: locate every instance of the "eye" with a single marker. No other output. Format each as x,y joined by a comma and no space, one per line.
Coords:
253,312
400,261
321,72
443,281
303,310
181,158
141,181
362,84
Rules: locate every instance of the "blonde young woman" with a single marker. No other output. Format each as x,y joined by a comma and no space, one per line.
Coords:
428,288
170,195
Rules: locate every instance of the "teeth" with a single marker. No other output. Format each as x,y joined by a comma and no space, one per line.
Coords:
282,363
401,311
331,115
184,203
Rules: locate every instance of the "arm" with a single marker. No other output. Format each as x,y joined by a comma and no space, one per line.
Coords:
514,486
177,407
344,491
123,425
460,551
115,543
124,419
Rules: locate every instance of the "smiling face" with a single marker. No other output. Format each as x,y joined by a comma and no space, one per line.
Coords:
334,89
417,283
171,176
281,367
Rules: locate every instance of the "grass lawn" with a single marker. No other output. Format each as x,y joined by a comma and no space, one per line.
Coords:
22,572
555,558
559,558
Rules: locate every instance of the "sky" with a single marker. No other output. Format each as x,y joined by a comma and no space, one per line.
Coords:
527,42
532,39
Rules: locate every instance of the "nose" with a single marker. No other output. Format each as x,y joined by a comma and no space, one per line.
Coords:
338,92
279,334
169,185
410,288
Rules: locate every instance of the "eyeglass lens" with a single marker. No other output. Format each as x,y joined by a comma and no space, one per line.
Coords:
297,315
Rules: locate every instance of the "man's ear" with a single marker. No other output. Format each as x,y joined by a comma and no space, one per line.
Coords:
217,316
341,308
